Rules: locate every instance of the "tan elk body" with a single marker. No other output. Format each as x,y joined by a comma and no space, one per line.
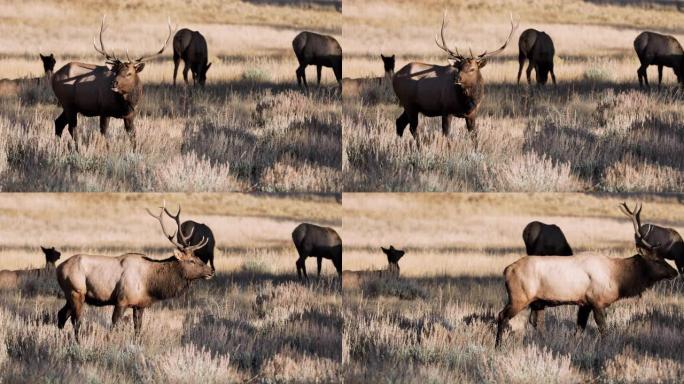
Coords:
591,281
131,280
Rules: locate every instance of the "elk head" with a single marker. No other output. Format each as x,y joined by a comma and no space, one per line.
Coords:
126,79
393,257
191,266
202,75
48,62
388,62
51,255
655,267
469,66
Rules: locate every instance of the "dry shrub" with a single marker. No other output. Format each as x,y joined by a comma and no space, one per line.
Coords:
191,173
531,364
631,366
191,364
630,175
531,172
290,367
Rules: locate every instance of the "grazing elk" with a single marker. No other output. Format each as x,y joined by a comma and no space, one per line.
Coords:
353,279
319,50
668,242
131,280
11,279
105,91
352,87
592,282
536,47
545,240
443,90
661,50
319,242
190,46
196,233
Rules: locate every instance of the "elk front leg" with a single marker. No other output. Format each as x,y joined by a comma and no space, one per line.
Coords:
600,318
137,320
641,72
529,73
472,128
116,315
446,124
129,125
553,75
176,63
185,73
301,76
660,75
301,268
510,310
76,300
521,64
104,125
583,316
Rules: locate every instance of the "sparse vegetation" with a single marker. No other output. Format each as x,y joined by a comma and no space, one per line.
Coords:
457,247
595,131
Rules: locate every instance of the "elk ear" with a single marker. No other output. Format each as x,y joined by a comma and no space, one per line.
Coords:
52,55
392,57
43,248
385,250
43,57
382,56
481,63
139,67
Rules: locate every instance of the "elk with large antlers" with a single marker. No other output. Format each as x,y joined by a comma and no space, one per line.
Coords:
196,233
114,90
131,280
443,90
668,242
591,281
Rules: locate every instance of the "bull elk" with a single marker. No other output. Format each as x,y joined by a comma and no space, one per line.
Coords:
190,46
114,90
662,50
196,233
443,90
669,243
592,282
131,280
319,50
319,242
536,47
12,279
353,279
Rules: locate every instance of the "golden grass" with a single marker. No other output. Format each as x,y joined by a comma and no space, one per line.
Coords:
595,131
253,321
250,129
436,322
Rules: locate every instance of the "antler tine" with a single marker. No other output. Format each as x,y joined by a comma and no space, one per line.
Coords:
163,47
634,215
486,54
184,238
161,222
443,45
102,50
199,245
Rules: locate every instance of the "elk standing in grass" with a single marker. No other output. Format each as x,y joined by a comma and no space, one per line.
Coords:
12,279
668,242
319,242
198,233
354,279
443,90
105,91
536,47
319,50
592,282
128,281
190,46
661,50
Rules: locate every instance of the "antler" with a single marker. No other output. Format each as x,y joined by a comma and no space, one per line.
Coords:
486,54
172,238
184,239
166,42
443,46
110,58
636,221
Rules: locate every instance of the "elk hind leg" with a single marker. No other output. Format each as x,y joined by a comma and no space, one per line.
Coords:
319,263
641,72
116,315
510,310
176,63
61,122
583,316
600,318
402,122
318,74
63,315
446,124
137,320
76,301
660,75
521,64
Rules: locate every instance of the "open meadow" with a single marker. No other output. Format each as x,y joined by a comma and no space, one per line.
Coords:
253,322
435,323
250,129
595,131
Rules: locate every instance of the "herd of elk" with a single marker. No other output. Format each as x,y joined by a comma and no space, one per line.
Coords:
131,280
443,90
12,279
354,279
114,90
591,281
319,242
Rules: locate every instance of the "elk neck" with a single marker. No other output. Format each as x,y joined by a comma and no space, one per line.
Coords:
165,279
632,276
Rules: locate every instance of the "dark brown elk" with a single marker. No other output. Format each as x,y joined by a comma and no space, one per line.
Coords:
108,91
192,48
319,50
319,242
443,90
12,279
131,280
545,240
536,47
662,50
591,281
668,241
354,279
193,233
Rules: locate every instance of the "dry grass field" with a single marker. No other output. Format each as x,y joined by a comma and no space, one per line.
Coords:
253,322
435,324
595,131
251,128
